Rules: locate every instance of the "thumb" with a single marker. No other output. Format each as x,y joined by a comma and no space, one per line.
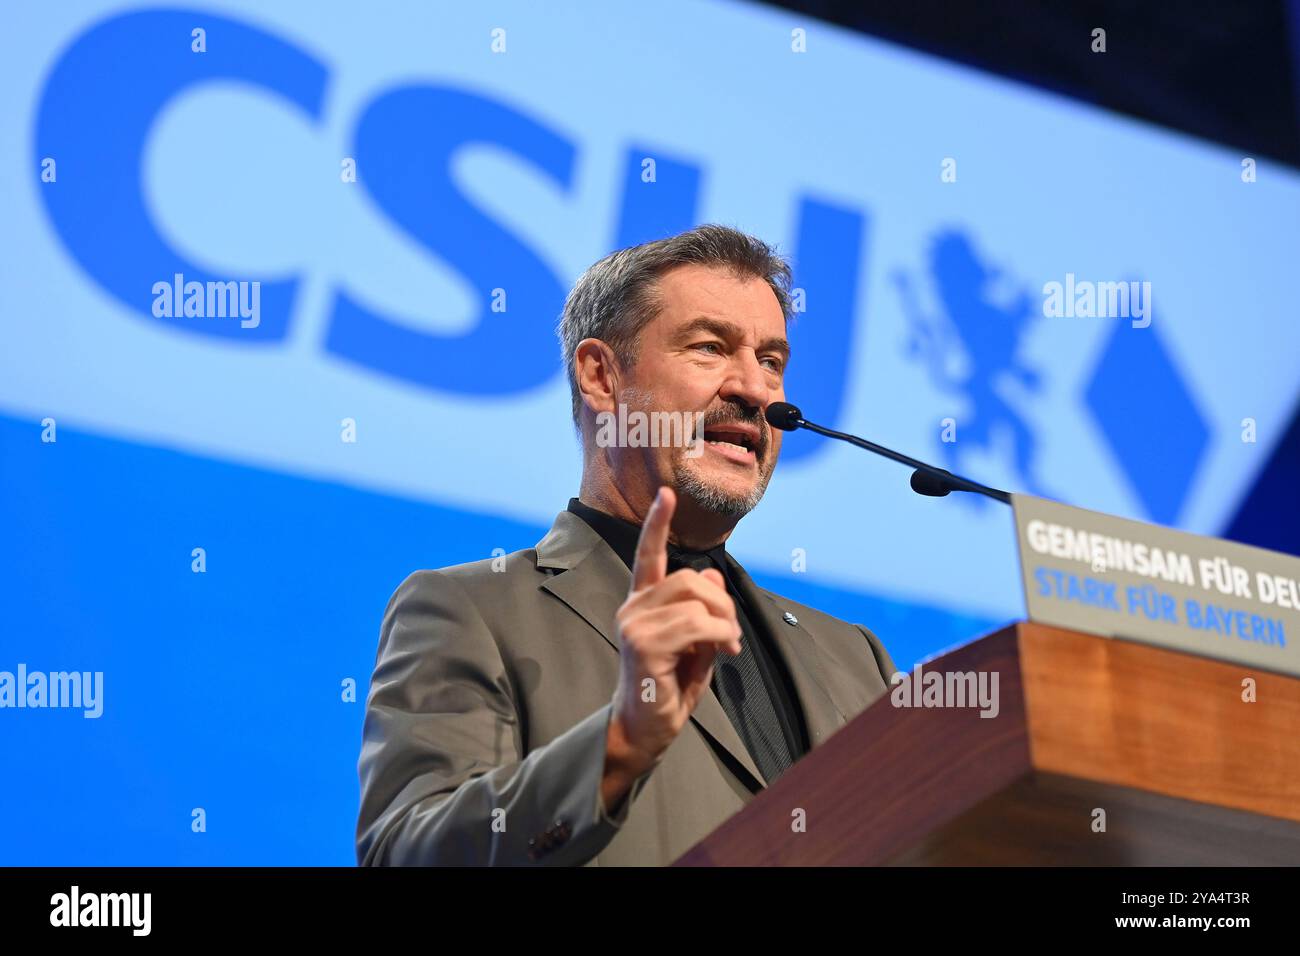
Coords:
715,576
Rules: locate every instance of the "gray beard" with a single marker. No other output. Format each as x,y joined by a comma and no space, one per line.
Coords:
712,499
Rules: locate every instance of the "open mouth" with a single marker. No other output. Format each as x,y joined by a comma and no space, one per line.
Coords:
736,443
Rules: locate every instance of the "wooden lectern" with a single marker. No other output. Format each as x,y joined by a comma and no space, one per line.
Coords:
1187,772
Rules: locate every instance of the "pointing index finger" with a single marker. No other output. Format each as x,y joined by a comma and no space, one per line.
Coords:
651,563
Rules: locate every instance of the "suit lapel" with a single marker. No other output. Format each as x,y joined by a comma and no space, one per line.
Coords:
799,649
593,582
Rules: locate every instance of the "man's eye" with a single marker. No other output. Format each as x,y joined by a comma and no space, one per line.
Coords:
775,363
708,345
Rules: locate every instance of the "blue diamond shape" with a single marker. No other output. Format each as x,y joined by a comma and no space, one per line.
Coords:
1148,417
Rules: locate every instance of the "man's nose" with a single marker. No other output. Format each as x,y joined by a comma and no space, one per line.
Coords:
745,381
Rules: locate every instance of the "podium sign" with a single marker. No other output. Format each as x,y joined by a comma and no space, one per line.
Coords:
1096,573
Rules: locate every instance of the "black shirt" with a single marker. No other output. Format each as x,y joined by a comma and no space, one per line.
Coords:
767,718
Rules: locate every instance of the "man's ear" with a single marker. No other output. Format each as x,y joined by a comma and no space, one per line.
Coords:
597,372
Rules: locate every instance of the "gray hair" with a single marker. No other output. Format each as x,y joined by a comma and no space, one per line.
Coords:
615,298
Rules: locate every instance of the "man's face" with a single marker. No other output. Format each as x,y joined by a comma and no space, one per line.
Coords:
717,346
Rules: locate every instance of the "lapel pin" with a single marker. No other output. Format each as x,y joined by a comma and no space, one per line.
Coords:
790,619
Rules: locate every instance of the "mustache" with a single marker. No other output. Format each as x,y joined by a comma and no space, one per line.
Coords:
732,414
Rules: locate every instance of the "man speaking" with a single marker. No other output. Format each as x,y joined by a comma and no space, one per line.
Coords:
614,694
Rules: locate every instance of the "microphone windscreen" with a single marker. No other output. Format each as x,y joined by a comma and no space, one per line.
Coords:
932,486
784,416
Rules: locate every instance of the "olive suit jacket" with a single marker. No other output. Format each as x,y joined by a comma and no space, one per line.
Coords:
485,725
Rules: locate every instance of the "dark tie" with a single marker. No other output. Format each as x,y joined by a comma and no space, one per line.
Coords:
739,685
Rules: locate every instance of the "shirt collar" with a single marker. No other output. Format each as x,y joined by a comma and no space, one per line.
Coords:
622,537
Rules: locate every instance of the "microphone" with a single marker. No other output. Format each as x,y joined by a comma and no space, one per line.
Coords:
926,479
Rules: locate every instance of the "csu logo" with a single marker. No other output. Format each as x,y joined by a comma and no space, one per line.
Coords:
972,347
106,91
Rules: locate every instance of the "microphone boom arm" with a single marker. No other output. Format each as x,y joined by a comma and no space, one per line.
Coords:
926,479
